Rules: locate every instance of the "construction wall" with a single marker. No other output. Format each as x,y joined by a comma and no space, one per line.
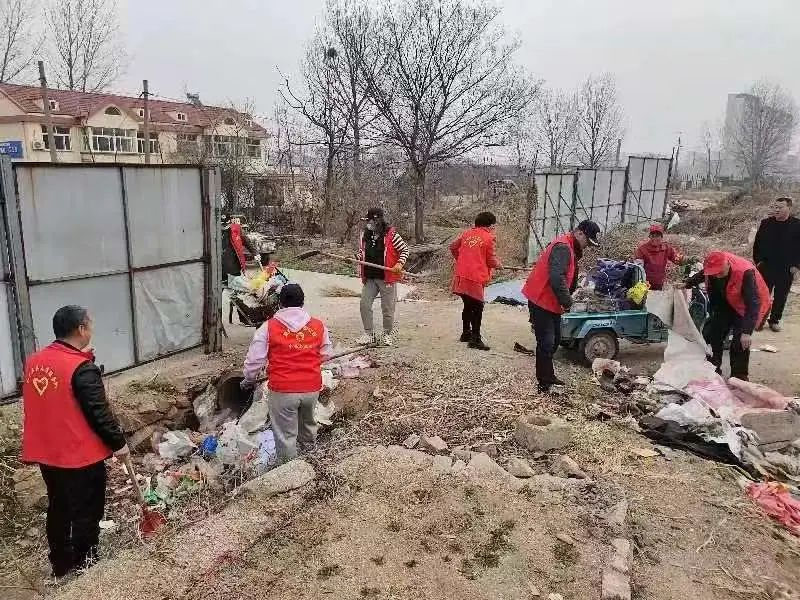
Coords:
608,196
137,246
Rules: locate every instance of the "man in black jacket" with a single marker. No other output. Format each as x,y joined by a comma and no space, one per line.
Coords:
776,253
69,431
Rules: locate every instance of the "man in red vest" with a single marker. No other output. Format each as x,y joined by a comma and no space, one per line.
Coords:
655,253
69,431
475,259
291,345
739,302
549,292
382,245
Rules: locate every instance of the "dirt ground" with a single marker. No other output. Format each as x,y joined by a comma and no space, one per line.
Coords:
375,525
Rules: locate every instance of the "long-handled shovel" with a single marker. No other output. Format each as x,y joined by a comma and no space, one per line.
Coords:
355,261
152,520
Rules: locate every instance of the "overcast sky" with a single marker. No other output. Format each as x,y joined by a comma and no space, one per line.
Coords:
674,60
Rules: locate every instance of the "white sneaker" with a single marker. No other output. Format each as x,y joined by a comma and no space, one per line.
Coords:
386,340
366,339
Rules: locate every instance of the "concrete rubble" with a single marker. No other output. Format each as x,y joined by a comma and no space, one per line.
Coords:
433,443
284,478
482,467
519,467
564,466
616,580
540,433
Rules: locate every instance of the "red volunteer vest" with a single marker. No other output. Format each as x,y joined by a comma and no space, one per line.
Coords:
733,291
390,257
537,288
473,255
294,358
55,431
238,243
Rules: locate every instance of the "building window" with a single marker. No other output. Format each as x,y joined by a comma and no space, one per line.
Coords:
107,139
181,116
187,143
113,111
223,145
154,146
61,135
140,112
53,104
253,148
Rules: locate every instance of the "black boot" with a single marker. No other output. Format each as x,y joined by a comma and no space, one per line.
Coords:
477,343
466,336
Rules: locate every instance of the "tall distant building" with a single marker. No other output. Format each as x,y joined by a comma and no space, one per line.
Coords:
735,110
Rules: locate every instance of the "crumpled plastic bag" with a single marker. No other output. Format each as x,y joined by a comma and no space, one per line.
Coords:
267,456
776,501
638,292
175,444
234,444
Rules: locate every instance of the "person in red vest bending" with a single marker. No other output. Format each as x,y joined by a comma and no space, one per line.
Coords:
292,346
549,292
382,245
655,253
69,431
739,302
475,258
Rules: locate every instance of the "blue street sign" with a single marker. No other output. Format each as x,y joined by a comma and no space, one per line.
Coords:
11,149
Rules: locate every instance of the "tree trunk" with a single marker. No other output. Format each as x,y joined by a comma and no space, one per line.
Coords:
328,191
419,205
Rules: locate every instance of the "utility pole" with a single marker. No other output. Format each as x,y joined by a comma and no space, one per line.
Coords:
48,116
619,149
677,163
146,94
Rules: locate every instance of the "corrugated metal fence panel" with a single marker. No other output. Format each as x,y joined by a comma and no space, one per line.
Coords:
108,302
169,309
165,217
648,179
72,221
599,196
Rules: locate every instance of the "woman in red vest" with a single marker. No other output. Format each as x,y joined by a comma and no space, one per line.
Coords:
69,431
549,292
291,345
474,252
739,302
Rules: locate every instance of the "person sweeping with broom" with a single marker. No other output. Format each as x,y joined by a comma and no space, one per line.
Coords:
474,253
69,431
381,245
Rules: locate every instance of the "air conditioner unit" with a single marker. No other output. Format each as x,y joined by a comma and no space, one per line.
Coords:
38,145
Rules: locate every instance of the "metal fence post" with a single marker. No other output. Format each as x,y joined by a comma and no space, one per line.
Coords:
18,273
212,302
128,253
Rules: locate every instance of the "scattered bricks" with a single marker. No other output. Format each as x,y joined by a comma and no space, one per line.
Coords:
433,444
489,448
622,560
564,466
519,467
457,467
541,434
442,464
617,515
615,586
411,441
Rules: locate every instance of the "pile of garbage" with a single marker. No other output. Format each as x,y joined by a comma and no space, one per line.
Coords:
610,286
687,405
228,444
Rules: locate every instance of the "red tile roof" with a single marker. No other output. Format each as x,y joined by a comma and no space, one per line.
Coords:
82,104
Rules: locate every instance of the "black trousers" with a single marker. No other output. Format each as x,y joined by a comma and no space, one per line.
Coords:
779,281
547,329
472,315
76,502
722,322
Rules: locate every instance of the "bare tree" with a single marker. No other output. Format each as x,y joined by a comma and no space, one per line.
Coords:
556,126
19,39
321,104
446,81
761,136
84,48
709,141
599,121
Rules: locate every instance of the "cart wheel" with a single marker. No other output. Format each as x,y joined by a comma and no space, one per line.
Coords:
599,344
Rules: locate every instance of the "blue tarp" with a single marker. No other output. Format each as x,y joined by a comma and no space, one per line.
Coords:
506,289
